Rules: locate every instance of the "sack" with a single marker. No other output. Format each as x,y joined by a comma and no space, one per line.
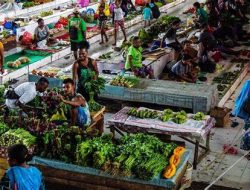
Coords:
155,11
246,107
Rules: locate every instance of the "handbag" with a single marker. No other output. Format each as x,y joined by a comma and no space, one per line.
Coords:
246,107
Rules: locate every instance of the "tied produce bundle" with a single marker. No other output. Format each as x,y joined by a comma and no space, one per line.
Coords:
139,155
93,85
17,136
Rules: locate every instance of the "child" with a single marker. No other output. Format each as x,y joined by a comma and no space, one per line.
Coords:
118,20
147,14
102,23
20,175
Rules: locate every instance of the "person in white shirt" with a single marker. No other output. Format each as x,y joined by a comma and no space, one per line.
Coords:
24,93
118,20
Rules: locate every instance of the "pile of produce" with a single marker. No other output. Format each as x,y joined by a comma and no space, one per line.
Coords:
180,117
143,35
161,26
139,155
3,128
132,15
106,55
45,74
199,116
46,13
93,85
177,117
56,30
143,113
18,62
61,143
166,115
17,136
127,82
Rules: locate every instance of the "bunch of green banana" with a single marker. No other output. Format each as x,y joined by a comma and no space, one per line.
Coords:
143,113
121,81
167,115
132,111
180,117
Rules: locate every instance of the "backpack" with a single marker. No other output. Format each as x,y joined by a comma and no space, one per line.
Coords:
155,11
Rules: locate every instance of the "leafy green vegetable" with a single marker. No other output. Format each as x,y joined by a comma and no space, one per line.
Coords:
199,116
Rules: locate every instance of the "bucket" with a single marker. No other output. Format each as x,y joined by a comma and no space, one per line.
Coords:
187,178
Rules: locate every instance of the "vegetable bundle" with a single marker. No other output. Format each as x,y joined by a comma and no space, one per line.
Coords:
16,136
139,155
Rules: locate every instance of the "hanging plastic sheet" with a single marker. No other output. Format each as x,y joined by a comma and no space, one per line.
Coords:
241,100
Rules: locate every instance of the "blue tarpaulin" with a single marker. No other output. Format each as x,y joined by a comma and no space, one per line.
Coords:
240,101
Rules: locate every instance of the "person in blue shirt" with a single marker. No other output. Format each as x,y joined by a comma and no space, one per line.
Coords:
20,175
183,69
147,15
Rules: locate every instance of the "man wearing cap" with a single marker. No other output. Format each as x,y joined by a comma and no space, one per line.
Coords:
77,33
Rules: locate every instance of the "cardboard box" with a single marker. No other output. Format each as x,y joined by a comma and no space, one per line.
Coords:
221,115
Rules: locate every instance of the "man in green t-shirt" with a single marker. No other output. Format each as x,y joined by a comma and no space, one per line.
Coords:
134,60
77,33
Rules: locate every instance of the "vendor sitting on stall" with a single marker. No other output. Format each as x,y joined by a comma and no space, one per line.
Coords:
183,69
170,39
41,34
79,113
134,60
23,94
81,72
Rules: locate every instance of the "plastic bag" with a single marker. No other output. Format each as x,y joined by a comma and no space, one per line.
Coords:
27,38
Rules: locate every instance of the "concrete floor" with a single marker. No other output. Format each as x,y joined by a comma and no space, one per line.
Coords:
239,176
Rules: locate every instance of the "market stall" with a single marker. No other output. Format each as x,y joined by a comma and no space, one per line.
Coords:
93,38
72,158
142,120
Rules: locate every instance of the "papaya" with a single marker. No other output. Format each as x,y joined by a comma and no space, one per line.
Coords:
175,160
169,171
179,151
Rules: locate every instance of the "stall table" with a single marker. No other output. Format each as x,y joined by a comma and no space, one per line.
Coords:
121,122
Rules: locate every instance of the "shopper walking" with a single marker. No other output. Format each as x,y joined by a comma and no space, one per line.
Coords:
147,15
103,17
77,32
20,175
118,20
